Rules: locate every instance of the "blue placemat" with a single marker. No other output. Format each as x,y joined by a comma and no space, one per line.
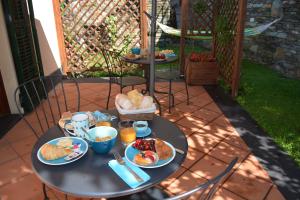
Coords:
126,176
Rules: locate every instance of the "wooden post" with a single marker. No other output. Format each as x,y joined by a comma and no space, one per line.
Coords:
60,36
184,16
144,24
239,47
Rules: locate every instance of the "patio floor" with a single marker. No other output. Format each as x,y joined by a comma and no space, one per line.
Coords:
213,143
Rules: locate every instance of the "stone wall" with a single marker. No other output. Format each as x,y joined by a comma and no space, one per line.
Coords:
279,46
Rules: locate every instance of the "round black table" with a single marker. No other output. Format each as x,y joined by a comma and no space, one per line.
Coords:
90,176
145,62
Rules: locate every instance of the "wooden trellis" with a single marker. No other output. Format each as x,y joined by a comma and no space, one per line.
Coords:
224,19
85,26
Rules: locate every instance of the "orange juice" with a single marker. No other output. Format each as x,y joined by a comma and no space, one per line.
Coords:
127,135
103,123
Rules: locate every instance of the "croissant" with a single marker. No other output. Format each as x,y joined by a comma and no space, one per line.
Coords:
52,152
163,150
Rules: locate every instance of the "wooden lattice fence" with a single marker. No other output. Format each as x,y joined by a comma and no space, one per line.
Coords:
224,19
88,25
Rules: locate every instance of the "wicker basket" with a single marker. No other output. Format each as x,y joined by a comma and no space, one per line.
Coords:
137,115
201,73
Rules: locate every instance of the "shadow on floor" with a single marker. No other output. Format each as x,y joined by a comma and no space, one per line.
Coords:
7,122
283,170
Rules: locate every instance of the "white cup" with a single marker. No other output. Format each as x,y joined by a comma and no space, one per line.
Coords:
80,121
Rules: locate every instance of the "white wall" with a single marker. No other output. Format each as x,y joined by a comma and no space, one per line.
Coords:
46,30
7,66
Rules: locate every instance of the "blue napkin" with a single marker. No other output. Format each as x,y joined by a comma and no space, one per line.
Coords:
99,115
123,172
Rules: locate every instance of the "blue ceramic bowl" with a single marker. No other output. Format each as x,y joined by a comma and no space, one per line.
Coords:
136,50
102,147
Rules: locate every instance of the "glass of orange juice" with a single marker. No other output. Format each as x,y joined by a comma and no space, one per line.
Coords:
127,132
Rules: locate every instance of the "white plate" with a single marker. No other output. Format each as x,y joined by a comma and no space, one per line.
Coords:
130,152
61,161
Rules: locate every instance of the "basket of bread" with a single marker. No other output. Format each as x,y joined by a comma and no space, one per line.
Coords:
135,106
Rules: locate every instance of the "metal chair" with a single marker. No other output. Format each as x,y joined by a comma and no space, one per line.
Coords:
42,100
205,191
171,74
119,72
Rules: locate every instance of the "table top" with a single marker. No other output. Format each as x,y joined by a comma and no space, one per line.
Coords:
90,176
146,61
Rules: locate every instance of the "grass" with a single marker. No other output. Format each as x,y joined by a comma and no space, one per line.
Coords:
274,102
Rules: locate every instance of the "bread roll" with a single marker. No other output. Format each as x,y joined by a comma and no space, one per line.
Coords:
147,102
135,98
124,102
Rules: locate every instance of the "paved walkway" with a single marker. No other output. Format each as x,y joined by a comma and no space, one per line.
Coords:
213,143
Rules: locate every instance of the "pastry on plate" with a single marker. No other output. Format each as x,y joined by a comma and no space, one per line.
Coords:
65,143
145,158
163,150
66,116
53,152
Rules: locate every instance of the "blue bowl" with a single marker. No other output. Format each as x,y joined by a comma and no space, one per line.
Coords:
136,50
102,147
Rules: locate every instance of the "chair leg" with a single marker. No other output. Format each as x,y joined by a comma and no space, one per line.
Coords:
170,95
45,192
187,93
109,92
159,107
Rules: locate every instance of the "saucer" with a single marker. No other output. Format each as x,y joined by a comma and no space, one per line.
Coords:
145,134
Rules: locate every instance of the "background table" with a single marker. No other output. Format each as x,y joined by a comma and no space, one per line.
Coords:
90,176
145,62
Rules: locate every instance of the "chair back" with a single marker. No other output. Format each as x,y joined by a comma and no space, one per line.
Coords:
206,190
41,101
114,64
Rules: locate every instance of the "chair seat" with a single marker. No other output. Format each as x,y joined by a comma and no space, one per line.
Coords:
167,74
130,80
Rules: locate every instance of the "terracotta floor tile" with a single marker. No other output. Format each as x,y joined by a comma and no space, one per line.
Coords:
208,167
237,141
275,194
201,100
251,167
187,130
213,106
205,114
192,157
194,90
25,145
172,178
11,171
187,109
185,182
173,116
223,194
7,153
92,107
227,152
18,132
215,131
180,96
202,143
247,187
25,188
191,122
27,159
224,122
3,142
